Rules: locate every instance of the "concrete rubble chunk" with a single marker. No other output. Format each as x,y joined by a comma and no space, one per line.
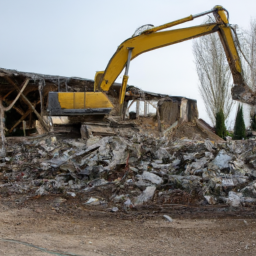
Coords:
71,194
128,203
168,218
176,162
199,163
153,178
114,209
146,195
93,201
233,199
92,140
120,198
134,169
249,190
162,153
222,160
210,199
209,155
209,145
189,156
160,166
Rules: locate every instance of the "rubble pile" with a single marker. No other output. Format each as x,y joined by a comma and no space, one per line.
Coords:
126,171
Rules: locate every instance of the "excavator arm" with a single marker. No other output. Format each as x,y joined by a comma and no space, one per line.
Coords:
152,39
144,40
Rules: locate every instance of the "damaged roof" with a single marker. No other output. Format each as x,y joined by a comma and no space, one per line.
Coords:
133,91
63,83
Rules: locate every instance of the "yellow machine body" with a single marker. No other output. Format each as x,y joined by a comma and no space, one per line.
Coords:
81,100
78,103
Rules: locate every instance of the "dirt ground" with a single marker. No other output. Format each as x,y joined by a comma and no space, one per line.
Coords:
51,225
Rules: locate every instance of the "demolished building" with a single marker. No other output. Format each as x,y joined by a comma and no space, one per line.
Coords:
170,157
32,105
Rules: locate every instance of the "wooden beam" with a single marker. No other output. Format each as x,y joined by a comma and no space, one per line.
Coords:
23,86
127,110
28,103
19,110
21,119
8,94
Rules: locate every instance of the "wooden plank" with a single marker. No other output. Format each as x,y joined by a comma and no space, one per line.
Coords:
19,110
95,130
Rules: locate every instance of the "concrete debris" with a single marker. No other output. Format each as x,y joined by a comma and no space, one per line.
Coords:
71,194
233,199
94,201
146,195
222,160
168,218
133,169
114,209
128,204
153,178
210,199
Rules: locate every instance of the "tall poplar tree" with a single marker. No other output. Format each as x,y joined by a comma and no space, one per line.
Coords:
239,129
220,124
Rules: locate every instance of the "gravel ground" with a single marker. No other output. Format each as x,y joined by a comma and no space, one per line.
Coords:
35,226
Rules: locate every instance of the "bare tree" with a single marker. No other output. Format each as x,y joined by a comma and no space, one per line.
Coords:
214,75
246,41
247,46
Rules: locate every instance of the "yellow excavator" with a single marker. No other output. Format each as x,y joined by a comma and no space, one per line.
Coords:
148,38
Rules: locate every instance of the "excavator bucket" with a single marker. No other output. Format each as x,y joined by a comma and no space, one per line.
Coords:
78,103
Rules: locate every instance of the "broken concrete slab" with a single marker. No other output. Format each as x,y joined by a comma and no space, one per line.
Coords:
146,195
153,178
222,160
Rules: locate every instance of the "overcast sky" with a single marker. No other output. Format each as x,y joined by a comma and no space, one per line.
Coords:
78,37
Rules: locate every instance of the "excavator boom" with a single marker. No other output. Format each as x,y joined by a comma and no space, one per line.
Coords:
144,40
152,39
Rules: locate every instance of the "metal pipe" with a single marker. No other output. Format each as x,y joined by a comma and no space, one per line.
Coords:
128,61
202,14
213,10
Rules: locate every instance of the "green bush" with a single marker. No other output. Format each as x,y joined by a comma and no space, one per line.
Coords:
220,124
239,129
230,134
253,122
